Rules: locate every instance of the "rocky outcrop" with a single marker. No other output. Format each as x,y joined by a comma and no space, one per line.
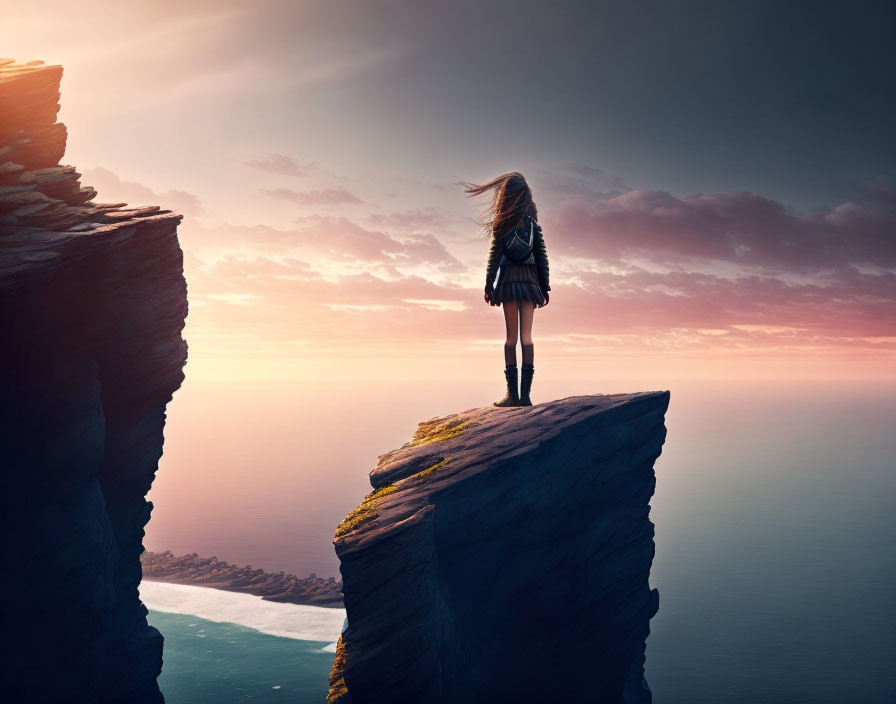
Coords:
93,304
212,572
503,556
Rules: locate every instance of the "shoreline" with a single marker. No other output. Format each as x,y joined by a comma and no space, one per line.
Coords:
281,587
297,621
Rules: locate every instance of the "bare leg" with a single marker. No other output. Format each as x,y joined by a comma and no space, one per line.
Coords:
512,397
527,313
512,326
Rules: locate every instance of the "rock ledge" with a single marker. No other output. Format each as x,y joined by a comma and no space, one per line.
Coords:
504,555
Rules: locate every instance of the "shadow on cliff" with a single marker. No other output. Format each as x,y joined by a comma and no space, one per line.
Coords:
504,555
94,301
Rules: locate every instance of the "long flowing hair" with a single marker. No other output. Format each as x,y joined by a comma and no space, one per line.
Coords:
511,201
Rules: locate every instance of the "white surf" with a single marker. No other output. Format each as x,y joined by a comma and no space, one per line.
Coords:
300,621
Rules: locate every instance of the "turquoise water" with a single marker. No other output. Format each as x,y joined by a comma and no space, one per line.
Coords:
225,663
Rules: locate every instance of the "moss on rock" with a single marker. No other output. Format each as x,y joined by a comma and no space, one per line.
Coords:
433,431
365,512
338,690
429,470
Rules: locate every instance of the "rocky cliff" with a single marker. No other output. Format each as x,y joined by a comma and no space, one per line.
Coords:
503,556
212,572
93,304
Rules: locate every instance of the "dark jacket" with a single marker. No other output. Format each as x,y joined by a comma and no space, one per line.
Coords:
539,256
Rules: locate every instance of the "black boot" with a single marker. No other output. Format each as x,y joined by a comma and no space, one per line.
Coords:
526,385
512,398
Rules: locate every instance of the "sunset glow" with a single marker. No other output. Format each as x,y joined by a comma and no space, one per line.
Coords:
324,222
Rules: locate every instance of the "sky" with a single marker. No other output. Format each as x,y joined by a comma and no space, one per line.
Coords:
716,181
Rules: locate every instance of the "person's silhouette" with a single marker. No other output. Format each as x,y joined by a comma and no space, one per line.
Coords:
519,259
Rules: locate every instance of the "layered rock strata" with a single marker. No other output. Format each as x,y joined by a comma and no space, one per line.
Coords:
93,305
504,556
212,572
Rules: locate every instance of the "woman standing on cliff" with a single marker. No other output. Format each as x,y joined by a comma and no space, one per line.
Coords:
519,258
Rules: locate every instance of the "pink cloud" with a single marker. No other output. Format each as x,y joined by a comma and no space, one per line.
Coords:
325,237
640,269
414,218
746,313
737,227
326,196
279,164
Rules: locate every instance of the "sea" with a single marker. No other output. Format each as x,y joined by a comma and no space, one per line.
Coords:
223,646
775,539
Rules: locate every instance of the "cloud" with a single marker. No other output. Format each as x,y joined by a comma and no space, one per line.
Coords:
644,301
737,227
881,191
729,272
412,218
595,178
326,196
112,189
328,242
270,303
663,312
279,164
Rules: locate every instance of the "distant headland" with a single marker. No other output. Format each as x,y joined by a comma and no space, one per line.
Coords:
212,572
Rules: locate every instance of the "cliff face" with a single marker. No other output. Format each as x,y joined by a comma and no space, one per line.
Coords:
93,304
504,555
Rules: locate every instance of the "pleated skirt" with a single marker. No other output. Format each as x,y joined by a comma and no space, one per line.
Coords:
518,282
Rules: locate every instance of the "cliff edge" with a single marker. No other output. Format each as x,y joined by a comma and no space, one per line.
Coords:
93,305
504,555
